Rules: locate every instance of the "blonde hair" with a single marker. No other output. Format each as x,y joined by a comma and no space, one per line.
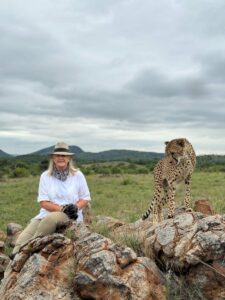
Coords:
72,168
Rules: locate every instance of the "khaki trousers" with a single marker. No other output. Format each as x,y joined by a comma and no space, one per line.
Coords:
40,227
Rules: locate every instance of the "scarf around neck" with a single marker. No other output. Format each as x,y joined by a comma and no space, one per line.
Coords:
61,175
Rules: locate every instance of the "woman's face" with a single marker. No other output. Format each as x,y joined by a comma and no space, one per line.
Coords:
61,161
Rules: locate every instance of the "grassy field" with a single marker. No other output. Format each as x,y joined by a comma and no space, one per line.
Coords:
121,196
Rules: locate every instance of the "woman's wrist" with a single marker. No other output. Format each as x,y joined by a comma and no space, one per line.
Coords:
81,203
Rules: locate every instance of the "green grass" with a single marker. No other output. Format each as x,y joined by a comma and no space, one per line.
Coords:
18,202
125,197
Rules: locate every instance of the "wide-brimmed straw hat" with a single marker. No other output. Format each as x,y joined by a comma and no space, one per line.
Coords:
61,148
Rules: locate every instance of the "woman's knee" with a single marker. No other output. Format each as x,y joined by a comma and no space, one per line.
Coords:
49,224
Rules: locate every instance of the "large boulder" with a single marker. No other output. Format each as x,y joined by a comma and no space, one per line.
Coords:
185,244
84,266
106,270
13,230
41,270
203,206
181,242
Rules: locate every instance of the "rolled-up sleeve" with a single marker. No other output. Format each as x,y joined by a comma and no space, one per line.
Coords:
83,192
42,190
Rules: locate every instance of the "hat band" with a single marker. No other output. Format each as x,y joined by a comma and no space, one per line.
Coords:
61,150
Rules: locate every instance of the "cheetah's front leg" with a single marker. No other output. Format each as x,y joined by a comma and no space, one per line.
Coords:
162,202
170,196
187,193
156,204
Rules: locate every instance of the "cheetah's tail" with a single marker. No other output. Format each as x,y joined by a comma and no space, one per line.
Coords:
146,214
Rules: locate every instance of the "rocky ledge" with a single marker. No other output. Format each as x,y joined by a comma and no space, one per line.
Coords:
80,264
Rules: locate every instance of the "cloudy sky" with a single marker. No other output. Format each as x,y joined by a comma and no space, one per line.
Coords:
112,74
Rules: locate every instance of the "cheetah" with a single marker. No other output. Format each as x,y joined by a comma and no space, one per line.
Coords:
177,166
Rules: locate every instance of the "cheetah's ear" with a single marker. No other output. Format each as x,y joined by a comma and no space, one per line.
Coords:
180,142
166,143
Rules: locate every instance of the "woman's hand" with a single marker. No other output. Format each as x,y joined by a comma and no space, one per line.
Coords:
71,211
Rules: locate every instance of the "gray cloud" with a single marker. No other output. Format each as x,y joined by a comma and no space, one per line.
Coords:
156,84
111,74
213,66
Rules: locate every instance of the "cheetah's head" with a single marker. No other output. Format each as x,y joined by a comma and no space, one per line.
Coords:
176,150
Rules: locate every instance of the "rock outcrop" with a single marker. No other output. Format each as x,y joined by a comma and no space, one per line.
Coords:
189,244
79,264
84,266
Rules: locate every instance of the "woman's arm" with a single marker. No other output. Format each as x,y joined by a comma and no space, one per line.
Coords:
83,191
55,207
81,203
50,206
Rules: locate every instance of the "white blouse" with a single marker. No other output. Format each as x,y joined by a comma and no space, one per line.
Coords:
62,192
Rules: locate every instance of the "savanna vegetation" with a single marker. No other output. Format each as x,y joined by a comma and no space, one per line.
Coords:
121,189
32,165
123,196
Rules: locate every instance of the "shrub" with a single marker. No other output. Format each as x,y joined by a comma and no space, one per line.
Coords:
142,170
43,165
116,170
22,164
21,172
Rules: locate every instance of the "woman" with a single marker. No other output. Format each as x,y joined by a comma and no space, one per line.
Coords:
62,194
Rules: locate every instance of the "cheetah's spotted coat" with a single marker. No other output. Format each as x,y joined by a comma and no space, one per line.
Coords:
177,165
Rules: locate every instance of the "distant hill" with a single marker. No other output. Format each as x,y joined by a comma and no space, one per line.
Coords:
116,155
4,154
111,155
81,156
46,151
